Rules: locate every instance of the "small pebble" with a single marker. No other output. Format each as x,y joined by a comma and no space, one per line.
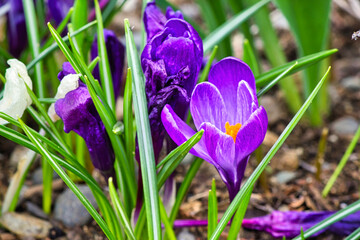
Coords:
69,210
185,235
345,126
284,177
351,83
37,176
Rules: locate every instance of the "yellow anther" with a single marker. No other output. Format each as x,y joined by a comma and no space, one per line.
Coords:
232,130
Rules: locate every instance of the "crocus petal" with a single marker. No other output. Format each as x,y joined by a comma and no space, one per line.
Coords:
246,100
226,75
79,114
251,134
154,20
289,224
69,82
180,132
59,9
116,55
207,105
66,70
16,28
16,98
170,13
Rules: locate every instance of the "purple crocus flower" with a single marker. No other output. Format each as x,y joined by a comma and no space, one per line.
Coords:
226,108
16,28
79,114
289,224
171,61
116,55
59,9
155,20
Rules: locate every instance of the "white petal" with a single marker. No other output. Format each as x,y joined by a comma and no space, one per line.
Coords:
68,83
16,98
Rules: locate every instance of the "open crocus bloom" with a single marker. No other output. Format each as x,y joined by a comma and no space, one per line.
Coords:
16,98
226,108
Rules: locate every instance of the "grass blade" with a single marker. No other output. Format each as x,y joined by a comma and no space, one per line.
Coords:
120,210
342,163
205,72
354,235
146,150
230,25
257,172
129,120
169,231
44,152
303,62
105,73
212,209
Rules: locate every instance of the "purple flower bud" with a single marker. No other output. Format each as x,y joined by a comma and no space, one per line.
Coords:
171,61
226,108
289,224
16,28
59,9
116,55
79,114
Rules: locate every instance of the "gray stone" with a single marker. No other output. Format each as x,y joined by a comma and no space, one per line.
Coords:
351,83
185,235
345,126
37,176
284,177
69,209
272,108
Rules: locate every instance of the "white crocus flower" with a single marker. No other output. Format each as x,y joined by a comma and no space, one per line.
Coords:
16,98
68,83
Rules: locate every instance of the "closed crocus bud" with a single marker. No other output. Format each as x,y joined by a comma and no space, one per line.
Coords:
16,28
116,55
289,224
171,61
16,98
77,110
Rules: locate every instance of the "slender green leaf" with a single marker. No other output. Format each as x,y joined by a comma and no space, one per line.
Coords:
33,36
273,82
205,72
105,73
79,19
303,62
354,235
257,172
230,25
120,210
129,120
212,209
250,58
352,208
93,63
146,150
342,163
46,154
164,218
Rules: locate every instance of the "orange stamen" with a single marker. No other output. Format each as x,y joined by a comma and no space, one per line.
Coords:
232,130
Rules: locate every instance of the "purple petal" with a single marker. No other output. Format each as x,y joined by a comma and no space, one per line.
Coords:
79,114
251,134
170,13
66,70
16,28
116,54
59,9
180,132
226,75
289,224
246,100
154,20
207,105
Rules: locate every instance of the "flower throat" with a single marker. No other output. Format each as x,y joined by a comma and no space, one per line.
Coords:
232,130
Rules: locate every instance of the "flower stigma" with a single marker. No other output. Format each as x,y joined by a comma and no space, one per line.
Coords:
232,130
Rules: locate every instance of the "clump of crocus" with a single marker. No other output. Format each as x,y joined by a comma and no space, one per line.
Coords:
116,55
226,108
16,98
171,61
289,224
